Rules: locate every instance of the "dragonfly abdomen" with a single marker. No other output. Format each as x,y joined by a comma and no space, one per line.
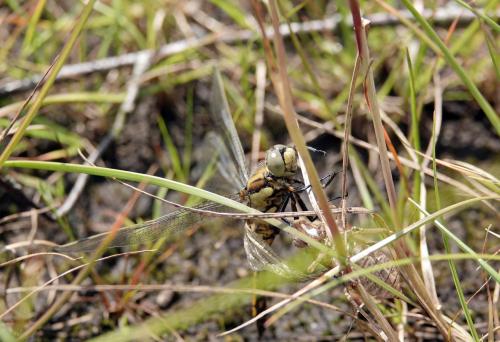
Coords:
266,231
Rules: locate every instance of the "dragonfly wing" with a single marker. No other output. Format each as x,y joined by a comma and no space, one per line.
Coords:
147,232
226,177
262,257
224,126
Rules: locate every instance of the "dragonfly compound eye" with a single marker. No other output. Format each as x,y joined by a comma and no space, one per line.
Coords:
281,161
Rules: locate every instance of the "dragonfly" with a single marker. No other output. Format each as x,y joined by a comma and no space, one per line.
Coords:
268,189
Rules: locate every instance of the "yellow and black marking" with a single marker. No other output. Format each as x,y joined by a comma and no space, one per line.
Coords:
269,188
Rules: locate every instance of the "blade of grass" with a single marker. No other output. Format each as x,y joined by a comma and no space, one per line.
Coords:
459,242
481,15
368,179
460,293
37,103
347,134
450,59
233,11
163,182
364,193
172,150
372,102
419,189
78,97
493,50
410,272
413,104
188,133
30,31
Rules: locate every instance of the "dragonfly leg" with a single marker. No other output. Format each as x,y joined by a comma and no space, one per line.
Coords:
315,150
303,206
285,202
293,203
329,177
335,198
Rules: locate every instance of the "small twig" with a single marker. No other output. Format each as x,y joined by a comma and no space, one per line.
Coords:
28,243
24,214
35,255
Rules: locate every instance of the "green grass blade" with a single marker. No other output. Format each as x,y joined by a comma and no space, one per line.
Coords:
490,270
37,103
188,133
172,150
5,333
451,263
167,183
448,56
233,11
30,31
481,15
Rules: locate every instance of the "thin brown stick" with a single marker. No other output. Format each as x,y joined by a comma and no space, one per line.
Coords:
283,90
260,93
372,102
41,287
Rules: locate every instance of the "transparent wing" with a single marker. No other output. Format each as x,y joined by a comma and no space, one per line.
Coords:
232,166
150,231
261,257
224,127
227,177
224,148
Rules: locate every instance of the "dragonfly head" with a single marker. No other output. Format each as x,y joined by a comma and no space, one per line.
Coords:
281,161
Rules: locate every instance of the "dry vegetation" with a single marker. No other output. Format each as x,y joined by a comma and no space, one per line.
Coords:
405,108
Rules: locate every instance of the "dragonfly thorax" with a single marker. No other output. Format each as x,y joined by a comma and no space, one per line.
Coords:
265,192
268,186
